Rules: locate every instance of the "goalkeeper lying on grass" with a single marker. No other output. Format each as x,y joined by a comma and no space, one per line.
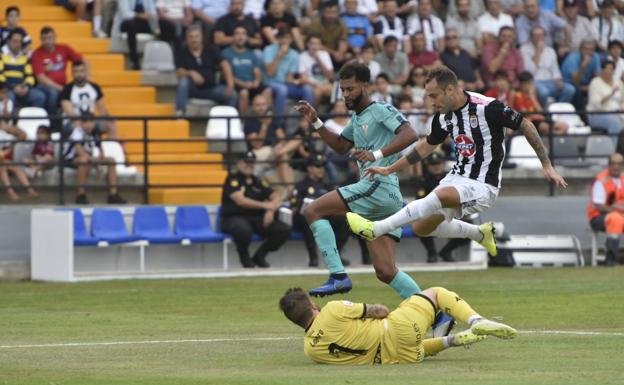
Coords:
343,332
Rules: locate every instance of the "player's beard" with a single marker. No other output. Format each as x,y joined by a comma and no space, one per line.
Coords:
356,102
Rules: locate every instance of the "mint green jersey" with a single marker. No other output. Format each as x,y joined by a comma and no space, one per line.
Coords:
373,129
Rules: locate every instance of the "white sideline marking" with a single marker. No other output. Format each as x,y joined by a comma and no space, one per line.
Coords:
211,340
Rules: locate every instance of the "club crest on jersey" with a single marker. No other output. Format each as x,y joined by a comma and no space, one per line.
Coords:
474,122
465,146
365,128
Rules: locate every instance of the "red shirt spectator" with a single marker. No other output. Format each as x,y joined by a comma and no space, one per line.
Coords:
53,64
502,55
43,148
427,59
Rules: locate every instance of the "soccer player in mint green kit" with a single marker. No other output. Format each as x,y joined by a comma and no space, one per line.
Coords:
377,132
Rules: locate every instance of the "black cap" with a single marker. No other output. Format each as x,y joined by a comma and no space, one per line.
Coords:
435,158
569,3
316,160
248,157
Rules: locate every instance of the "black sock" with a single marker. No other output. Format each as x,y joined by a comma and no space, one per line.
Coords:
340,276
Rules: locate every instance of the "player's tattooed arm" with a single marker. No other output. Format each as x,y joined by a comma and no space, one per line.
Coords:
530,133
376,311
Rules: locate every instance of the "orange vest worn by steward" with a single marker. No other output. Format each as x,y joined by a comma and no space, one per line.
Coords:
613,193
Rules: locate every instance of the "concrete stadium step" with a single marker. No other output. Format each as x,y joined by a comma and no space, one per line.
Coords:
146,109
84,45
104,62
166,147
157,129
64,30
22,3
187,177
116,78
41,12
188,196
129,94
137,160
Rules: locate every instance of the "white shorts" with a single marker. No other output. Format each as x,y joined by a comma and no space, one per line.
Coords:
474,196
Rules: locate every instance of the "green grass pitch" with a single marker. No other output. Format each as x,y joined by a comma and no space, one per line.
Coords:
229,331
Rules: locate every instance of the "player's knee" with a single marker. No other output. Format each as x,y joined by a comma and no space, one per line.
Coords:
385,274
310,214
420,230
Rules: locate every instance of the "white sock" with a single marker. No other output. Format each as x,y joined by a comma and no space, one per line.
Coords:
457,229
473,318
415,210
97,23
447,341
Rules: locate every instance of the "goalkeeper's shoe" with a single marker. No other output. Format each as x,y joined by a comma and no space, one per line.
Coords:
485,327
488,241
465,338
332,286
442,324
361,226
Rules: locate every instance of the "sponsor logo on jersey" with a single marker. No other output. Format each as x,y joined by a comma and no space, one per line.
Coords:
465,146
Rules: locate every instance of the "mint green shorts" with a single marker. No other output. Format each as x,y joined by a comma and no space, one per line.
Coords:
373,200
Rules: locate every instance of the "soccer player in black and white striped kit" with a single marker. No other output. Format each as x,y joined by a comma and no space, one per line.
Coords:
477,125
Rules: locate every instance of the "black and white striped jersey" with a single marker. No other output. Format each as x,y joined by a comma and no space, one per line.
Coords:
478,132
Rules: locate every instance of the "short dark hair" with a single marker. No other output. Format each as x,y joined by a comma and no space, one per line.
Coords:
10,9
313,36
4,86
78,63
46,30
501,74
295,304
443,76
506,28
353,68
328,4
44,128
368,45
607,62
613,43
383,76
389,39
525,76
13,33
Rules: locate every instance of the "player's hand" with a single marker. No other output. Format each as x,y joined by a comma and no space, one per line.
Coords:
552,176
363,155
372,171
305,109
268,218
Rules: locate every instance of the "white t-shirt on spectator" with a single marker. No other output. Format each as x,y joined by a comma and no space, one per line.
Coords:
491,24
6,108
173,8
432,27
599,195
365,7
309,66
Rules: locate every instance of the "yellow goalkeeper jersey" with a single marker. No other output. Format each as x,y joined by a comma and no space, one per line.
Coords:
341,335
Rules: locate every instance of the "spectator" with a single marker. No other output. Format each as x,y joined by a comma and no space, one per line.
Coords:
310,188
302,10
12,16
316,69
267,139
78,152
460,62
420,55
606,93
332,31
249,206
246,69
466,27
9,133
541,61
360,30
389,24
282,69
382,90
526,101
42,156
310,142
277,19
208,12
579,29
608,24
430,25
501,89
502,54
176,15
197,67
415,87
614,52
579,68
368,8
394,63
367,56
109,9
472,9
49,62
227,24
513,7
532,17
493,20
140,16
336,163
604,210
82,96
16,72
81,7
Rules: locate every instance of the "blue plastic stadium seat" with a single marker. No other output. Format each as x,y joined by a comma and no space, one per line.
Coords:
108,225
151,223
81,234
193,223
254,237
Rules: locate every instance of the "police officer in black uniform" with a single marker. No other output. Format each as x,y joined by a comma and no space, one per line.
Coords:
312,187
249,206
434,172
